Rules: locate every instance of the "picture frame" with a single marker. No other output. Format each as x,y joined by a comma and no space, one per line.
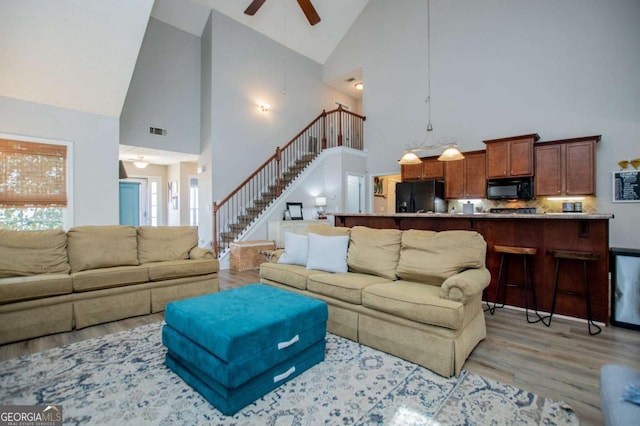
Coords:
295,211
626,186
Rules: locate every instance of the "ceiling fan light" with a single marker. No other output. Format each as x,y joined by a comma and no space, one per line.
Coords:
140,164
409,157
451,154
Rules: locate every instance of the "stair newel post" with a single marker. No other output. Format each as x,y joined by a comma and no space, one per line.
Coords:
339,125
324,130
279,172
215,228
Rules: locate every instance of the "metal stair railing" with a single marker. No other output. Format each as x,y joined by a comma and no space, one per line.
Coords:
245,204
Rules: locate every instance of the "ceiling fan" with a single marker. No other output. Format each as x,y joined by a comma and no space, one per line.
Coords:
305,5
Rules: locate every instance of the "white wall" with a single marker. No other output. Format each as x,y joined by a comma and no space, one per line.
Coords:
164,92
501,68
205,182
325,176
95,147
248,68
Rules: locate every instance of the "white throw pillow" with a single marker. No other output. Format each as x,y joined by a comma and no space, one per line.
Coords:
296,249
328,253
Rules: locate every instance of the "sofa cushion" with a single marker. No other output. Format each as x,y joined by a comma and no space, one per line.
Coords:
15,289
415,302
374,251
33,252
291,275
170,270
92,247
431,257
347,287
328,253
161,243
296,249
115,276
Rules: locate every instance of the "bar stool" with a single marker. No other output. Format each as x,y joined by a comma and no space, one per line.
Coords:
507,253
584,257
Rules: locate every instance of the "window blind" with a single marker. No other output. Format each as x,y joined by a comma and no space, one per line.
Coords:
32,174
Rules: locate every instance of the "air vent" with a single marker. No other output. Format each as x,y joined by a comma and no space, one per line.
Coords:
158,131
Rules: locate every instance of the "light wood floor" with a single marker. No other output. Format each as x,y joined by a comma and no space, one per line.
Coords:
561,362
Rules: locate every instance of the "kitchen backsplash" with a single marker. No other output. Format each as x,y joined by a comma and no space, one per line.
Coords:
542,205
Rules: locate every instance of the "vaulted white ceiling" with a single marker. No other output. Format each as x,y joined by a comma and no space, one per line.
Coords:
74,54
80,54
280,20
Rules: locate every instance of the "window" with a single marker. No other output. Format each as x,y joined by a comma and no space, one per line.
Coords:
33,184
193,201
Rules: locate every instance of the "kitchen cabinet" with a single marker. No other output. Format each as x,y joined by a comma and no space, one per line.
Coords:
566,167
430,168
466,178
509,157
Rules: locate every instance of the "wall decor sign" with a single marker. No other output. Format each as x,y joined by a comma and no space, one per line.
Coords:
626,186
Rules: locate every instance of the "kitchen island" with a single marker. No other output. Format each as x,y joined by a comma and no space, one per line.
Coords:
545,232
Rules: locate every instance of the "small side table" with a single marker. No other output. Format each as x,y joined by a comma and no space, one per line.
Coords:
246,255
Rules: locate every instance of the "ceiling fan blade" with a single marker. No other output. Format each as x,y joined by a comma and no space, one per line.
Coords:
253,7
309,11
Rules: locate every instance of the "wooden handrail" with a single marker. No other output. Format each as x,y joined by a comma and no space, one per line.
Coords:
245,202
251,176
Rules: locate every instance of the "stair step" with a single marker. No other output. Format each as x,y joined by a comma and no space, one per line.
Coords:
261,203
228,237
246,219
268,196
255,210
237,227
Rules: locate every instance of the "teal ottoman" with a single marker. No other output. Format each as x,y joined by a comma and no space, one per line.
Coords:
235,346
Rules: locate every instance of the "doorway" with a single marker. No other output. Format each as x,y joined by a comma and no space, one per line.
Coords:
143,200
149,203
355,194
384,193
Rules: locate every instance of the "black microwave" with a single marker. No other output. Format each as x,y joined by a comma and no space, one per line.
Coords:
510,188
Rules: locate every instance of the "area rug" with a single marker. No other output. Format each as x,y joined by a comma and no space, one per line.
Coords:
121,379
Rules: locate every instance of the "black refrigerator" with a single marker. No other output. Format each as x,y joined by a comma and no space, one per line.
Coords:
420,197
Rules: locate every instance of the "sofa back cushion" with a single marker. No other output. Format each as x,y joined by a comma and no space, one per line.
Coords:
92,247
327,230
25,253
431,257
374,251
162,243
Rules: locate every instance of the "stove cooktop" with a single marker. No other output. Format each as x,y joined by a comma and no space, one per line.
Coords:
519,210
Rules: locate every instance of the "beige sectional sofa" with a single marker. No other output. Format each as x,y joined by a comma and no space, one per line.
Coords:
54,281
414,294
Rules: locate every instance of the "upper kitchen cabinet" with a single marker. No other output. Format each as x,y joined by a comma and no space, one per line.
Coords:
566,167
511,156
466,178
430,168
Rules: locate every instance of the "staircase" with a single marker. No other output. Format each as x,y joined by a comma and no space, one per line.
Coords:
244,205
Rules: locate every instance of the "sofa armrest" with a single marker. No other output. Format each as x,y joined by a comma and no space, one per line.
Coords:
202,253
464,286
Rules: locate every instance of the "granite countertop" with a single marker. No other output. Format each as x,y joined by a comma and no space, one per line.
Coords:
535,216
